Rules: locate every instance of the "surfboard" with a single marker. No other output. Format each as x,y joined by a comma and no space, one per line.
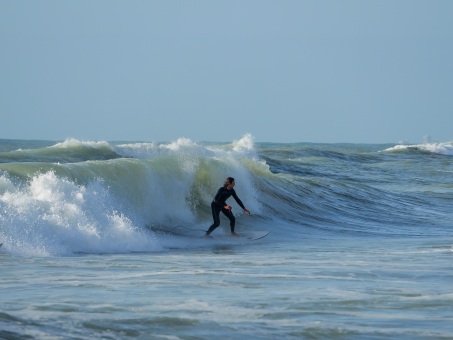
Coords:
248,235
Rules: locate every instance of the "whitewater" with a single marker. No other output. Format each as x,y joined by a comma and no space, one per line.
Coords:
103,239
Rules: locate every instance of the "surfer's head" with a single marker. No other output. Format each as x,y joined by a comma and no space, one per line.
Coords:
229,183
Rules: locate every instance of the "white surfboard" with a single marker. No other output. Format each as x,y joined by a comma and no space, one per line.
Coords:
249,235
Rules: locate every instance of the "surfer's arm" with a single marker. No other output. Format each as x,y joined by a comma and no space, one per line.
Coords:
238,200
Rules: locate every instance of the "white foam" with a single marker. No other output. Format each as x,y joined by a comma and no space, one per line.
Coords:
72,143
185,146
437,148
55,216
152,150
180,144
244,144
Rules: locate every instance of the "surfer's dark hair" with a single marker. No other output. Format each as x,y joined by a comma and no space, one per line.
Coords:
228,181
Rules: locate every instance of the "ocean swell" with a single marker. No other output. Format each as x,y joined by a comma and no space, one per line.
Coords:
101,197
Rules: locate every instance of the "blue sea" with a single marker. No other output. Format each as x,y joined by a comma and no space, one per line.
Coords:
103,240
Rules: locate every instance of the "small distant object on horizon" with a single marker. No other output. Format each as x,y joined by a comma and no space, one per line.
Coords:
427,139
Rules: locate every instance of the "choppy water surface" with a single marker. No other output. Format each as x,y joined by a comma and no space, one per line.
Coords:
102,240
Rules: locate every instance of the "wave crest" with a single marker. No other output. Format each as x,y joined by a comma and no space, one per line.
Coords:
434,148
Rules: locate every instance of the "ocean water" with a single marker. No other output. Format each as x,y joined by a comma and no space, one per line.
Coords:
104,240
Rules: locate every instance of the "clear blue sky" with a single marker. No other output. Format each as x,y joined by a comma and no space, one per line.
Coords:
284,71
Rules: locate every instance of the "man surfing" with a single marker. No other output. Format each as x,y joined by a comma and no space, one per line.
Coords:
219,205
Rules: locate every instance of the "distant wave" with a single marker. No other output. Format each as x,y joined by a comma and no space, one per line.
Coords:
69,151
74,143
435,148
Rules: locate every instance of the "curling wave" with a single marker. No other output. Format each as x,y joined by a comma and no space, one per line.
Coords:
98,197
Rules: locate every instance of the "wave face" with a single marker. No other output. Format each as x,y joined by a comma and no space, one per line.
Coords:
104,197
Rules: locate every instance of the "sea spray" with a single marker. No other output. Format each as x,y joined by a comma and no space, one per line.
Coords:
55,216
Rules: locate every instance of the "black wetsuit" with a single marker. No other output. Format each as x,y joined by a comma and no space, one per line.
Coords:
218,205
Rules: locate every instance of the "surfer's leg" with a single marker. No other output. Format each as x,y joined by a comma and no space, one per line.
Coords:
215,215
228,213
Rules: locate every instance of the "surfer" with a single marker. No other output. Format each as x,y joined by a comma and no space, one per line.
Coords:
219,205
